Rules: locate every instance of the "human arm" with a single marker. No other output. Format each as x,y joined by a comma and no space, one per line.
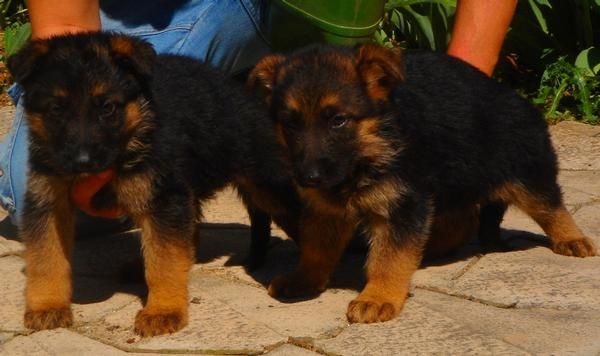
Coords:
479,30
54,17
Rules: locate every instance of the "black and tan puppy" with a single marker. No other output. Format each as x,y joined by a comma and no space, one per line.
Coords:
172,129
405,149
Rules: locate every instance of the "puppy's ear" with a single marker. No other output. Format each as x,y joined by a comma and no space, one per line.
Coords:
21,64
262,78
380,69
134,54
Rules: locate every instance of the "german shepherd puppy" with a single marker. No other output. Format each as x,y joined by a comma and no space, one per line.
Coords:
402,147
174,131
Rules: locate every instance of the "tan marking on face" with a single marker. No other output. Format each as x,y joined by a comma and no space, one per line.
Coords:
133,115
138,122
60,92
376,150
294,102
328,100
35,122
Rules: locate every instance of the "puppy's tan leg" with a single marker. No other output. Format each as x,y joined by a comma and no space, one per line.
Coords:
390,266
168,257
323,239
47,229
556,221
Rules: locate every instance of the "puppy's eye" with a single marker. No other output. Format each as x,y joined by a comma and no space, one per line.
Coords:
107,109
338,121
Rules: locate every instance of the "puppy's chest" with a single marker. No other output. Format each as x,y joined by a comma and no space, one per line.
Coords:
134,193
374,200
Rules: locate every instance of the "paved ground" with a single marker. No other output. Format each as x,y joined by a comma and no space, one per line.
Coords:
525,300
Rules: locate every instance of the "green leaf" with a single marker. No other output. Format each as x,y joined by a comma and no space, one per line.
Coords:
15,37
538,15
546,3
424,27
589,60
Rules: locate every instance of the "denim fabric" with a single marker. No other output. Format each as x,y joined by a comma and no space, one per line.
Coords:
225,33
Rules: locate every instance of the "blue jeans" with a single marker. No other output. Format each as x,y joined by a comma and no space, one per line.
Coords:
225,33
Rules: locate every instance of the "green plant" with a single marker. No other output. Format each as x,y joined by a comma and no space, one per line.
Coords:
542,31
12,12
14,37
417,24
557,42
574,89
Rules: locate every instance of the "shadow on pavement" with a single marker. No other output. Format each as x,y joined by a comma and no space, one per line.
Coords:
106,264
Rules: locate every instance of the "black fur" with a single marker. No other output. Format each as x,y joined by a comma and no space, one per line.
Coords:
406,147
173,129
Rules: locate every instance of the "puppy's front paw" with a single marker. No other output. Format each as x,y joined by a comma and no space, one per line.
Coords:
371,310
48,319
295,285
149,323
579,248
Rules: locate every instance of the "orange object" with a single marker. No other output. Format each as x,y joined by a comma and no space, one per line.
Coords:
57,17
479,30
84,189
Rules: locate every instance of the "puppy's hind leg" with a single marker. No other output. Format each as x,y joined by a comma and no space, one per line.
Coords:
490,217
260,234
547,209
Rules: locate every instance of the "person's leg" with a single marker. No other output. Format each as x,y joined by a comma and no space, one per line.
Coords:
225,33
13,161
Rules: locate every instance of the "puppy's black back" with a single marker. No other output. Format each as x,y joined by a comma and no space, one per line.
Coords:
215,132
468,134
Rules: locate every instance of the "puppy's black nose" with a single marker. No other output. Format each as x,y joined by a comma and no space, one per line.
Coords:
82,160
83,157
311,177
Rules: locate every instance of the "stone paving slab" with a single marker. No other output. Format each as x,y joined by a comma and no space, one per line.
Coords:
588,218
539,331
419,330
55,343
579,155
534,278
